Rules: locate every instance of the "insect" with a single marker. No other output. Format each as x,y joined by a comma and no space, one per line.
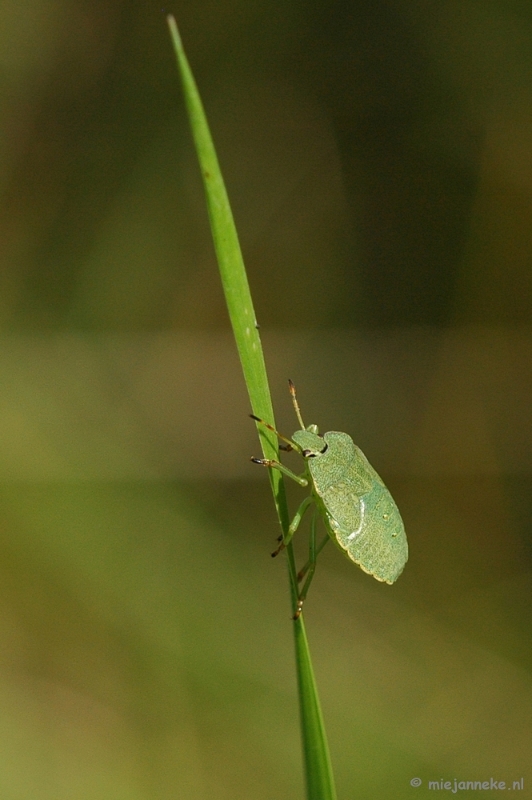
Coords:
359,513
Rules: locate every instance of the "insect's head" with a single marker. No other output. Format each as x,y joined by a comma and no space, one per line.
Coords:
309,441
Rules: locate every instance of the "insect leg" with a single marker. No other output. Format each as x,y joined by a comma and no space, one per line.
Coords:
289,444
313,554
294,525
268,462
302,572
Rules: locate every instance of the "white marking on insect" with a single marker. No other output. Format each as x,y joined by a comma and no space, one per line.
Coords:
359,529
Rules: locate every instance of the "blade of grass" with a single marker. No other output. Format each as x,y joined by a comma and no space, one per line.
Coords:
318,771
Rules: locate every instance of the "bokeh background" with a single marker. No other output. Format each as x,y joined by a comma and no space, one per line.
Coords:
379,160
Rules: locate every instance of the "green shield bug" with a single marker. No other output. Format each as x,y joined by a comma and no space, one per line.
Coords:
359,512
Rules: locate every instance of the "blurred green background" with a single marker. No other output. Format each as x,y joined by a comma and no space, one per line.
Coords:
379,160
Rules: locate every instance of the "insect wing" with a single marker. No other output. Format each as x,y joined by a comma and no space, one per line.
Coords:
362,515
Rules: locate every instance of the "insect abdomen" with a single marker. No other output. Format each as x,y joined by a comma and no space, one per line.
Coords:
377,542
362,515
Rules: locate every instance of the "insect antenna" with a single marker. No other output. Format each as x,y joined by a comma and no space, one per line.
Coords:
296,404
289,443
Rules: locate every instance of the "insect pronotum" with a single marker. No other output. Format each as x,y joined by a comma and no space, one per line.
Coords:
359,513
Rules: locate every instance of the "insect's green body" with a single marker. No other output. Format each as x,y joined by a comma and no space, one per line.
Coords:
359,511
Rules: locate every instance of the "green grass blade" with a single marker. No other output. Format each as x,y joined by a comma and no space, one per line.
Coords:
231,264
319,777
318,770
